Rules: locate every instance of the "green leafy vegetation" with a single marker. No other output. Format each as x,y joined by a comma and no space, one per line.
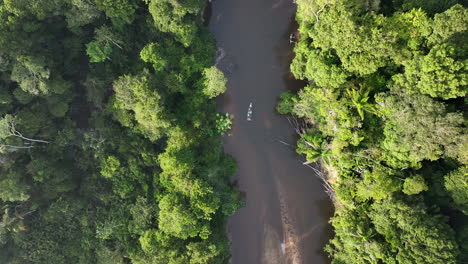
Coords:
386,114
110,149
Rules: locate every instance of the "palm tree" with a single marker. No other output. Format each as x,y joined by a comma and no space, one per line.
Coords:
360,99
314,147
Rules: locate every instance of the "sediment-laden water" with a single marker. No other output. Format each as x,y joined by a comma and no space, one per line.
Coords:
285,219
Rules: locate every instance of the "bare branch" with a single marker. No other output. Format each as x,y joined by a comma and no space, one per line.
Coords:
15,147
316,14
16,133
114,42
328,188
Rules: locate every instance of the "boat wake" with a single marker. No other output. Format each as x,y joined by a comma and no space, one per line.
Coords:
220,54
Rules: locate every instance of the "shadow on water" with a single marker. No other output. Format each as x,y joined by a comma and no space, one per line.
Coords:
291,83
206,15
326,206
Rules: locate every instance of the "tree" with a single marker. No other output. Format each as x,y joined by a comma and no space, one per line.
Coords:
102,46
107,37
314,146
286,103
176,219
360,99
438,74
413,28
141,163
456,183
317,65
135,93
363,44
105,255
378,184
52,175
462,235
223,123
357,239
407,67
31,74
121,12
59,235
429,6
414,185
204,252
81,13
8,129
331,113
143,213
214,82
152,53
127,178
13,186
113,221
173,65
413,234
34,120
41,9
170,17
309,11
97,52
449,24
58,105
418,128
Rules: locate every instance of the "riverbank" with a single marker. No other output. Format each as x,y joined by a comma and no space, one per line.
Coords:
374,108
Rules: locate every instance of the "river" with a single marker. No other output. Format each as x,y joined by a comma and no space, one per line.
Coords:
285,219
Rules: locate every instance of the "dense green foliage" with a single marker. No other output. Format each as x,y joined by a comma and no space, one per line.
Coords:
109,140
386,113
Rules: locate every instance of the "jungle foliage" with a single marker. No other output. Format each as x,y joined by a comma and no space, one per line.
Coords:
386,111
110,145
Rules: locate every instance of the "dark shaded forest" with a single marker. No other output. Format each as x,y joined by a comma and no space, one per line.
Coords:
110,145
385,112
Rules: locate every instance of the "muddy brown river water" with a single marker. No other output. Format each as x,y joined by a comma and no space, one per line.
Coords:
286,215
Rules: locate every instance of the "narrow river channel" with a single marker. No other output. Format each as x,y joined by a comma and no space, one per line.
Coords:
286,216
